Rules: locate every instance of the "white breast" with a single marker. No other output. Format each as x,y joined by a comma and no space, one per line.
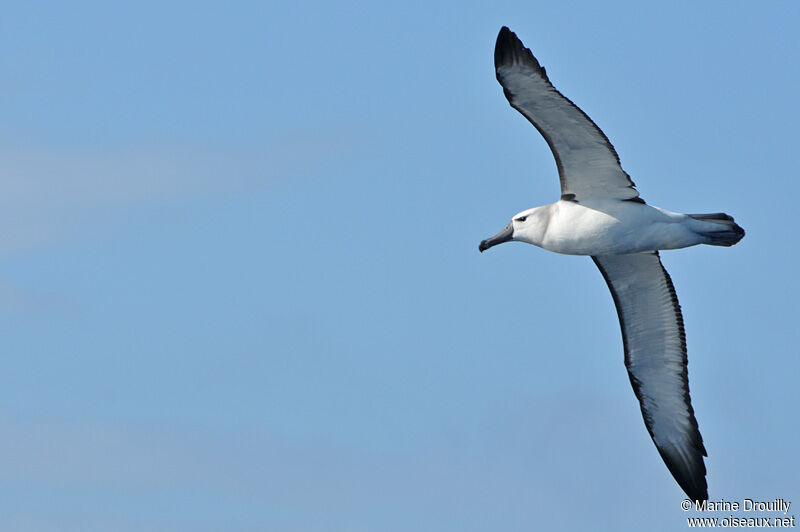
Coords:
613,228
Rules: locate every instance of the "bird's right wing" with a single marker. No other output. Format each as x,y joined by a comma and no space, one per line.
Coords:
588,165
655,355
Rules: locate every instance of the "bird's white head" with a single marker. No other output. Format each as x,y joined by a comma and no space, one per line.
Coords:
527,226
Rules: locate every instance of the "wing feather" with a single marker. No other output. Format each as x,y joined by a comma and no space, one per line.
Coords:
588,165
655,356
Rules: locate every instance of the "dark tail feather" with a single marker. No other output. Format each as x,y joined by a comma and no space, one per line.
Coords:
713,217
728,233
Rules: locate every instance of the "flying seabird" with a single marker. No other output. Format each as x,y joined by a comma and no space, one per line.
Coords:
601,214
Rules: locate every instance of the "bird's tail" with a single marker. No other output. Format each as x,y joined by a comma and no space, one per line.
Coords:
718,228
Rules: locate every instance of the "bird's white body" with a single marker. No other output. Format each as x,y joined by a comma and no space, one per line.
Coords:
608,227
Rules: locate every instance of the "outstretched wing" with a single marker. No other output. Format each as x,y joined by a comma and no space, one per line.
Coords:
588,165
655,355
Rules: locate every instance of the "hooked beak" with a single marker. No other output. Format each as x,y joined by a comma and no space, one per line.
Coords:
503,236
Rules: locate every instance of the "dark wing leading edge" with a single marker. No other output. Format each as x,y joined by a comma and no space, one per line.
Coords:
588,165
655,355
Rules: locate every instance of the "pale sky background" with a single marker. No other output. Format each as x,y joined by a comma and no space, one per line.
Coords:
240,287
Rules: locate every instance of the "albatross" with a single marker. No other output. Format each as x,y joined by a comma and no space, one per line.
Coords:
600,214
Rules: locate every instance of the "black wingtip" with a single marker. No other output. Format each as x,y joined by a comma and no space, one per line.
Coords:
501,46
509,50
688,472
698,493
696,489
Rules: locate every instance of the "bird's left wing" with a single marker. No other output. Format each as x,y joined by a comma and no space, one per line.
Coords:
655,355
588,165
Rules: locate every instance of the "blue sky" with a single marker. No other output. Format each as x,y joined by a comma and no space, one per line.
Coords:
240,286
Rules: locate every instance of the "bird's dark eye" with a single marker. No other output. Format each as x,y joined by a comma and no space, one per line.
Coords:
522,218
